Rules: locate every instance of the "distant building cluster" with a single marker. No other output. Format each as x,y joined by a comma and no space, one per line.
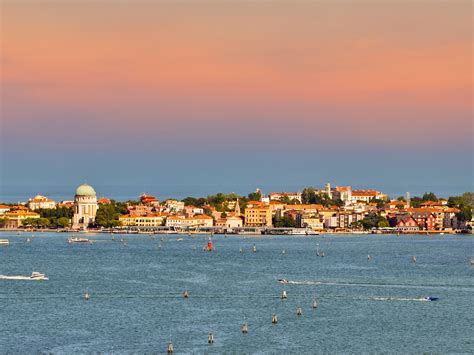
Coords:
338,208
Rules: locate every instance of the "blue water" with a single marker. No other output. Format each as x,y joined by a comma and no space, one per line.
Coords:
136,303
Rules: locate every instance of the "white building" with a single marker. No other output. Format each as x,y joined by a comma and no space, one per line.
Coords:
39,201
277,196
196,221
85,206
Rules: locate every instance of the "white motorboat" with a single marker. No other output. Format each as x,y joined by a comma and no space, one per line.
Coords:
4,242
35,275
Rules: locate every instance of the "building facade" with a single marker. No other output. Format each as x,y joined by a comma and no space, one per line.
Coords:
39,201
85,207
258,216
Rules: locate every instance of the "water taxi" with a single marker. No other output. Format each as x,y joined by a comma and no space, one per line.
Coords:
35,275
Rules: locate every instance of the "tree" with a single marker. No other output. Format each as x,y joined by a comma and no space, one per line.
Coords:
311,196
373,220
190,201
63,222
380,202
429,196
465,203
108,215
3,222
254,196
416,201
383,223
36,222
284,222
54,214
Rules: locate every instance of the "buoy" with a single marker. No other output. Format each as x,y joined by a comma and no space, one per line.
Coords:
299,311
28,240
170,348
245,328
283,251
87,296
254,249
284,295
186,294
274,319
210,338
413,259
315,304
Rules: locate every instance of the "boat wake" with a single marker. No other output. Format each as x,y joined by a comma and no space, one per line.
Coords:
22,278
421,299
380,285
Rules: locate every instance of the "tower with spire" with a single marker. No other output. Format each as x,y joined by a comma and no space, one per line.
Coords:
237,208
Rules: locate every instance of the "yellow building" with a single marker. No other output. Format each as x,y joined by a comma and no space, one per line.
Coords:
196,221
149,220
258,216
315,222
15,218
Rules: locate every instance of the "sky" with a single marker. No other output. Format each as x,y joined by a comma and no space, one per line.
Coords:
227,94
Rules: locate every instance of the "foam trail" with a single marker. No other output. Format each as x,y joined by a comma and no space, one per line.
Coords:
422,299
355,284
22,278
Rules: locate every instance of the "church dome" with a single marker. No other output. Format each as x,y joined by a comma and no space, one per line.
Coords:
85,190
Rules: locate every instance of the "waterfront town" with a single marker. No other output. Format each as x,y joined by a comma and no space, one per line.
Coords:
310,211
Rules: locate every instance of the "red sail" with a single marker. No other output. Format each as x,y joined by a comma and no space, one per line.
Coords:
209,245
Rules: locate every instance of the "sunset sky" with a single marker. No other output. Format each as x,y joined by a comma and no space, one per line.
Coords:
234,93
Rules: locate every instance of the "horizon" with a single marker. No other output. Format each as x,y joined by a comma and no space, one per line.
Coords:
20,193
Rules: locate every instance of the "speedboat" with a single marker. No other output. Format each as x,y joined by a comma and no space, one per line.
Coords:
431,298
283,281
35,275
4,242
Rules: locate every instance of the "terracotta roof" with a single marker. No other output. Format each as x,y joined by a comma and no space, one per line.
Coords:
364,193
21,213
201,216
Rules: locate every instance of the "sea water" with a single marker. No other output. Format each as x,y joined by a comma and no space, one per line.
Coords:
136,286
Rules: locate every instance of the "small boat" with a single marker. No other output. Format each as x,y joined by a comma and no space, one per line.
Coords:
210,246
4,242
431,298
35,275
79,240
283,281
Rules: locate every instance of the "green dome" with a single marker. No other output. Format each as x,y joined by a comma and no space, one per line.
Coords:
85,190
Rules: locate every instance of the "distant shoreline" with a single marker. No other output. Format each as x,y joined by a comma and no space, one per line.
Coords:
322,233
